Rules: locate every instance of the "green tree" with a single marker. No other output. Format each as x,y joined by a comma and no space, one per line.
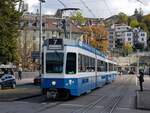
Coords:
122,18
138,14
146,20
78,18
134,23
9,30
127,49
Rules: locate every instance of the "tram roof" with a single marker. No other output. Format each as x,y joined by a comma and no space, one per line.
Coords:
81,44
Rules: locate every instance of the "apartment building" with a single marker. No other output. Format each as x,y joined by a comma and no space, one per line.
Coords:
30,26
120,34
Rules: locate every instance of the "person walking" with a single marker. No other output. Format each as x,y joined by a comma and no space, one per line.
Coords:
19,73
141,79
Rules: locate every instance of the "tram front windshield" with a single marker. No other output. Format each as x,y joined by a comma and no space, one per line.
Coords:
54,62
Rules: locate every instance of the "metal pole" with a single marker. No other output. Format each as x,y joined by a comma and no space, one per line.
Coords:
137,67
70,30
40,39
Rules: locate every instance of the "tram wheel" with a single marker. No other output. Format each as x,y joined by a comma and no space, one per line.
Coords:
1,87
64,95
13,86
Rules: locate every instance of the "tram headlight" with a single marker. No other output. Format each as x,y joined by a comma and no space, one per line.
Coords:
71,82
53,83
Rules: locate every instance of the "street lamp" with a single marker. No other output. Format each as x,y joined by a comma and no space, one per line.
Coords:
40,37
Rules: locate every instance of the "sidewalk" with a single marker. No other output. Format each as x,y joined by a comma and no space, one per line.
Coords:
24,81
24,89
143,98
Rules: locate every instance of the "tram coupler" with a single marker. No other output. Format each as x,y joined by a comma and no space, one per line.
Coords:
52,94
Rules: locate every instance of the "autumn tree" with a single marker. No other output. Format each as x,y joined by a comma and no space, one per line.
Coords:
97,35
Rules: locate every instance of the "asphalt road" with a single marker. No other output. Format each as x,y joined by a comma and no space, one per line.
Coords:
117,97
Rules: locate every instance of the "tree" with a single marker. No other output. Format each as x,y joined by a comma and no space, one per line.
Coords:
127,48
78,18
138,14
134,23
9,31
97,36
122,18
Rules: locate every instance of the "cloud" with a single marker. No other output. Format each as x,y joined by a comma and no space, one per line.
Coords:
101,8
32,4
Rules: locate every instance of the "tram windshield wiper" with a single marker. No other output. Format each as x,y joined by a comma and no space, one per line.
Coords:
58,55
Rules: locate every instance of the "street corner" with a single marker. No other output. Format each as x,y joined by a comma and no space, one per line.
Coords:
22,90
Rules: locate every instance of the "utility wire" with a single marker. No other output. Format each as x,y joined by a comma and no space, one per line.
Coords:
88,8
141,2
62,3
109,10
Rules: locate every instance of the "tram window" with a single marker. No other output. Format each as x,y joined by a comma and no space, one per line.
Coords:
54,62
71,63
110,67
79,63
98,65
86,63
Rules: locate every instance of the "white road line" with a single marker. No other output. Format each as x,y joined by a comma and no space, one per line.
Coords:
125,108
74,105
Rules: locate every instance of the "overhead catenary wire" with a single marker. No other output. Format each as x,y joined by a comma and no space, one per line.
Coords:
141,2
62,3
85,5
107,6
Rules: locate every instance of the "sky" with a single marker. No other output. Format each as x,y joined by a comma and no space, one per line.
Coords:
100,8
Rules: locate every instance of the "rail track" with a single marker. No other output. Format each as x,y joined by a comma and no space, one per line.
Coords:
112,103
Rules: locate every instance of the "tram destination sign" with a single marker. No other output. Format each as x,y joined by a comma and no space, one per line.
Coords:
55,44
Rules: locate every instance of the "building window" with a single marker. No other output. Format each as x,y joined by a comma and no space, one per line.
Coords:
129,39
128,34
34,37
110,37
43,38
111,33
142,34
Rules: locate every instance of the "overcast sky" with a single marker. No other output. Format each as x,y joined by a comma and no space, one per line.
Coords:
100,8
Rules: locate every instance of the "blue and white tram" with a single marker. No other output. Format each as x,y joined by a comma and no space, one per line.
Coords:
74,68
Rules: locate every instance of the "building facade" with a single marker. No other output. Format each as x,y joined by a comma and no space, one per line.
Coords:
120,34
52,28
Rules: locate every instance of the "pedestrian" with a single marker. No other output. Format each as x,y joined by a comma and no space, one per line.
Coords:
12,72
149,71
141,79
19,73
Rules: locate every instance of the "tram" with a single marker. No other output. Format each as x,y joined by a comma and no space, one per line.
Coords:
71,68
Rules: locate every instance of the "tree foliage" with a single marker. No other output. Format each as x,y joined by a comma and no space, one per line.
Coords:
127,48
97,36
9,32
134,23
78,18
122,18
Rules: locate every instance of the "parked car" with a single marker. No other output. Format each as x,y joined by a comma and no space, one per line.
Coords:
7,80
37,80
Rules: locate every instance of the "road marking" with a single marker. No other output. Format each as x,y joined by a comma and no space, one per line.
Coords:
99,106
125,108
74,105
